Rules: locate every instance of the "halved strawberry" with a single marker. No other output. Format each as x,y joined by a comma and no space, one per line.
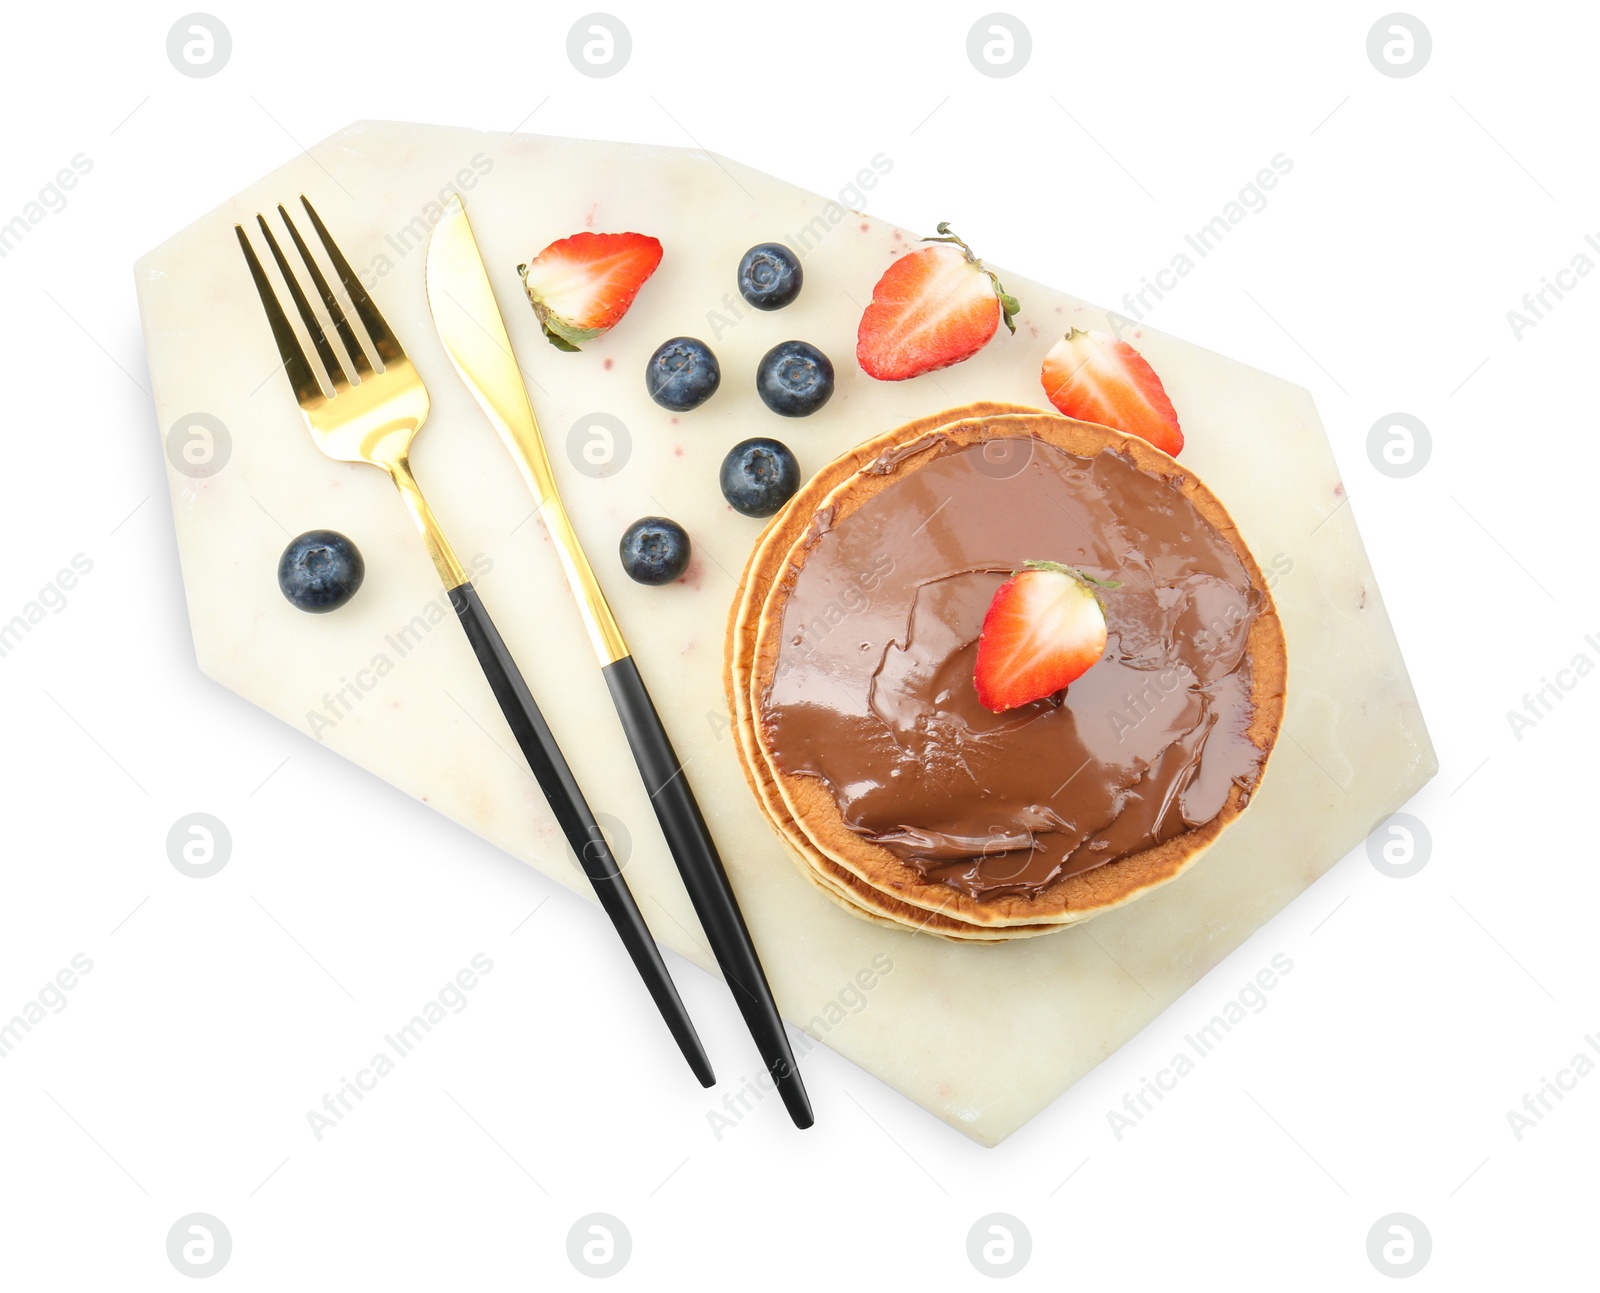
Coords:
1101,378
932,308
1044,628
580,286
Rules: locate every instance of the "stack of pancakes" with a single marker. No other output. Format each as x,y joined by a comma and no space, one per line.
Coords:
864,876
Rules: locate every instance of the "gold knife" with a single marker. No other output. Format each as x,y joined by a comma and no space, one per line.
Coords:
473,331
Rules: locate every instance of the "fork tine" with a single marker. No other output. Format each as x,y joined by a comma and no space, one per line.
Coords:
304,381
330,361
383,340
358,356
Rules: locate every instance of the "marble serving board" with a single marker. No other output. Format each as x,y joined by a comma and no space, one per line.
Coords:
983,1036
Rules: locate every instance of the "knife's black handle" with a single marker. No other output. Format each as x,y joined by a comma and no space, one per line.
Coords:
706,880
577,823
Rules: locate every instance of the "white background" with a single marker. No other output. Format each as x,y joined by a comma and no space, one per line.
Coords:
1418,1012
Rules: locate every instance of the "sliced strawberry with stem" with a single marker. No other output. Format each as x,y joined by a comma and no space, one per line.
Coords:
933,307
1100,378
1044,629
582,285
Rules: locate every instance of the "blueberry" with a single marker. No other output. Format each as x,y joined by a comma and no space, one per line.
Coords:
682,374
794,379
769,276
320,571
759,476
654,550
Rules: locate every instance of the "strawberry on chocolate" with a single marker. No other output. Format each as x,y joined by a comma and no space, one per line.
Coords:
1044,629
581,286
1096,377
933,307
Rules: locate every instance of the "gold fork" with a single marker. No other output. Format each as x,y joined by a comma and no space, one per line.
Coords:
371,416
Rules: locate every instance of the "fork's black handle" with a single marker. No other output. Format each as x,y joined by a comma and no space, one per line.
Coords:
707,882
577,822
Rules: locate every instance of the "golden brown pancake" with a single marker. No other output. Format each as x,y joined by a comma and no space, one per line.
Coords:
863,875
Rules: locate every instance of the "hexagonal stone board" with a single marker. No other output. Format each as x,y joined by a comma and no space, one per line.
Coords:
984,1037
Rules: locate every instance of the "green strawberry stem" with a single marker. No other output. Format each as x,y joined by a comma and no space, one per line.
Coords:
1060,569
1010,307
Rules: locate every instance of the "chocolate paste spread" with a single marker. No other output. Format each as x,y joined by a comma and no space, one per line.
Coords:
873,690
